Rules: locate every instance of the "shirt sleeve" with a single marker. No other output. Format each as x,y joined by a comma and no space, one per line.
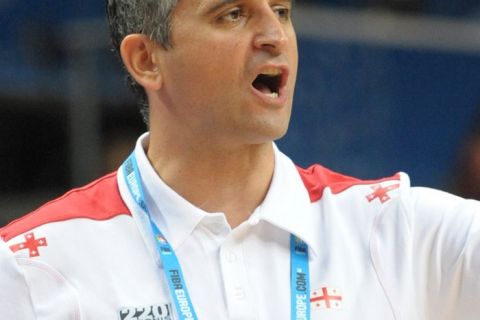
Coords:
15,301
468,269
446,254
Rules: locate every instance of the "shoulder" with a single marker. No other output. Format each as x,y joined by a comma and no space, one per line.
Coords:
99,200
430,198
317,179
441,211
420,201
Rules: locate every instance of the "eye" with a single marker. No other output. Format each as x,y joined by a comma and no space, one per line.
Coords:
282,12
233,15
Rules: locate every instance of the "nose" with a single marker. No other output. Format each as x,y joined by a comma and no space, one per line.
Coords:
271,33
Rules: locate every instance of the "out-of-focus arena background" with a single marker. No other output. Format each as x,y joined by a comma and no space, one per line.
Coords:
383,86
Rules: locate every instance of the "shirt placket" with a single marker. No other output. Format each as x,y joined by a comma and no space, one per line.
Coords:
237,290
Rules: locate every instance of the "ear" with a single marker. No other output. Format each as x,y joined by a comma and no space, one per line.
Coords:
140,56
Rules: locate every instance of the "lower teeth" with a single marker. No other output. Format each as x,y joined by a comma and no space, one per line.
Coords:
274,94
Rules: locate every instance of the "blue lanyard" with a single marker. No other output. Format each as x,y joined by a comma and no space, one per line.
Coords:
299,280
299,273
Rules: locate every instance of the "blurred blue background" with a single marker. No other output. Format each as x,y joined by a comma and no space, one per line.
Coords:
383,86
371,111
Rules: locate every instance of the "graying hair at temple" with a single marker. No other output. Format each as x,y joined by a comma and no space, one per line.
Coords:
148,17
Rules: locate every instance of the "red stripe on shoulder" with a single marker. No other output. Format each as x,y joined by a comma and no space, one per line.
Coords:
99,200
316,178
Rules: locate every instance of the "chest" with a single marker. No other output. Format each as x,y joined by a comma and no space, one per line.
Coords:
244,278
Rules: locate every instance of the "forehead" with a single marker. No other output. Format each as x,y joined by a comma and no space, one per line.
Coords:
213,4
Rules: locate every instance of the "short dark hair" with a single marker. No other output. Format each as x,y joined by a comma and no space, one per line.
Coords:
148,17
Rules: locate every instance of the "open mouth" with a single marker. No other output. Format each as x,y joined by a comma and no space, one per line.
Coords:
269,83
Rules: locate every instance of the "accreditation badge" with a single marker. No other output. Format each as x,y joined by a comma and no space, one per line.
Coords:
153,312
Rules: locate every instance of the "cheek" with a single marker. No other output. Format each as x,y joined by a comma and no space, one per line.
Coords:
293,51
294,59
200,80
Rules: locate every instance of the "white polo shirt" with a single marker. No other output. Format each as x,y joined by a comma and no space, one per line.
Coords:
378,250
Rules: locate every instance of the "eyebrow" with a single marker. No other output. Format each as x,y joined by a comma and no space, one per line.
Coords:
218,5
222,3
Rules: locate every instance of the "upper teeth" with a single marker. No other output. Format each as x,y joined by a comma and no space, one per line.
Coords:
272,72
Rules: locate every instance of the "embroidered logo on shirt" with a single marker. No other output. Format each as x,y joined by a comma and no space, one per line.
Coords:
381,192
157,312
326,298
31,244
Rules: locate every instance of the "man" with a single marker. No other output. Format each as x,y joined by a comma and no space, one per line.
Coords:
208,220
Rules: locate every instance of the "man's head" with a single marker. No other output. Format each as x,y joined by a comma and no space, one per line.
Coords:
148,17
224,71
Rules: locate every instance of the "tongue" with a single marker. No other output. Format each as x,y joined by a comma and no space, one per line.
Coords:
263,88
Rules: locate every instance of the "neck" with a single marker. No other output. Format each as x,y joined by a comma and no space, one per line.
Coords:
232,180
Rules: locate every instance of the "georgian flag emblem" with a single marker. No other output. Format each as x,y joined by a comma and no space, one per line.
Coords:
326,298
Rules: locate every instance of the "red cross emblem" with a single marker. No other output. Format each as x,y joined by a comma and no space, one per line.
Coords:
326,298
31,244
381,192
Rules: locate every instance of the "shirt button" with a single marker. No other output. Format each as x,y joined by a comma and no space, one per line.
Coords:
239,293
231,257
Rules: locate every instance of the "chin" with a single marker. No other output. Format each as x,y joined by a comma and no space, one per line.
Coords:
280,135
269,133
